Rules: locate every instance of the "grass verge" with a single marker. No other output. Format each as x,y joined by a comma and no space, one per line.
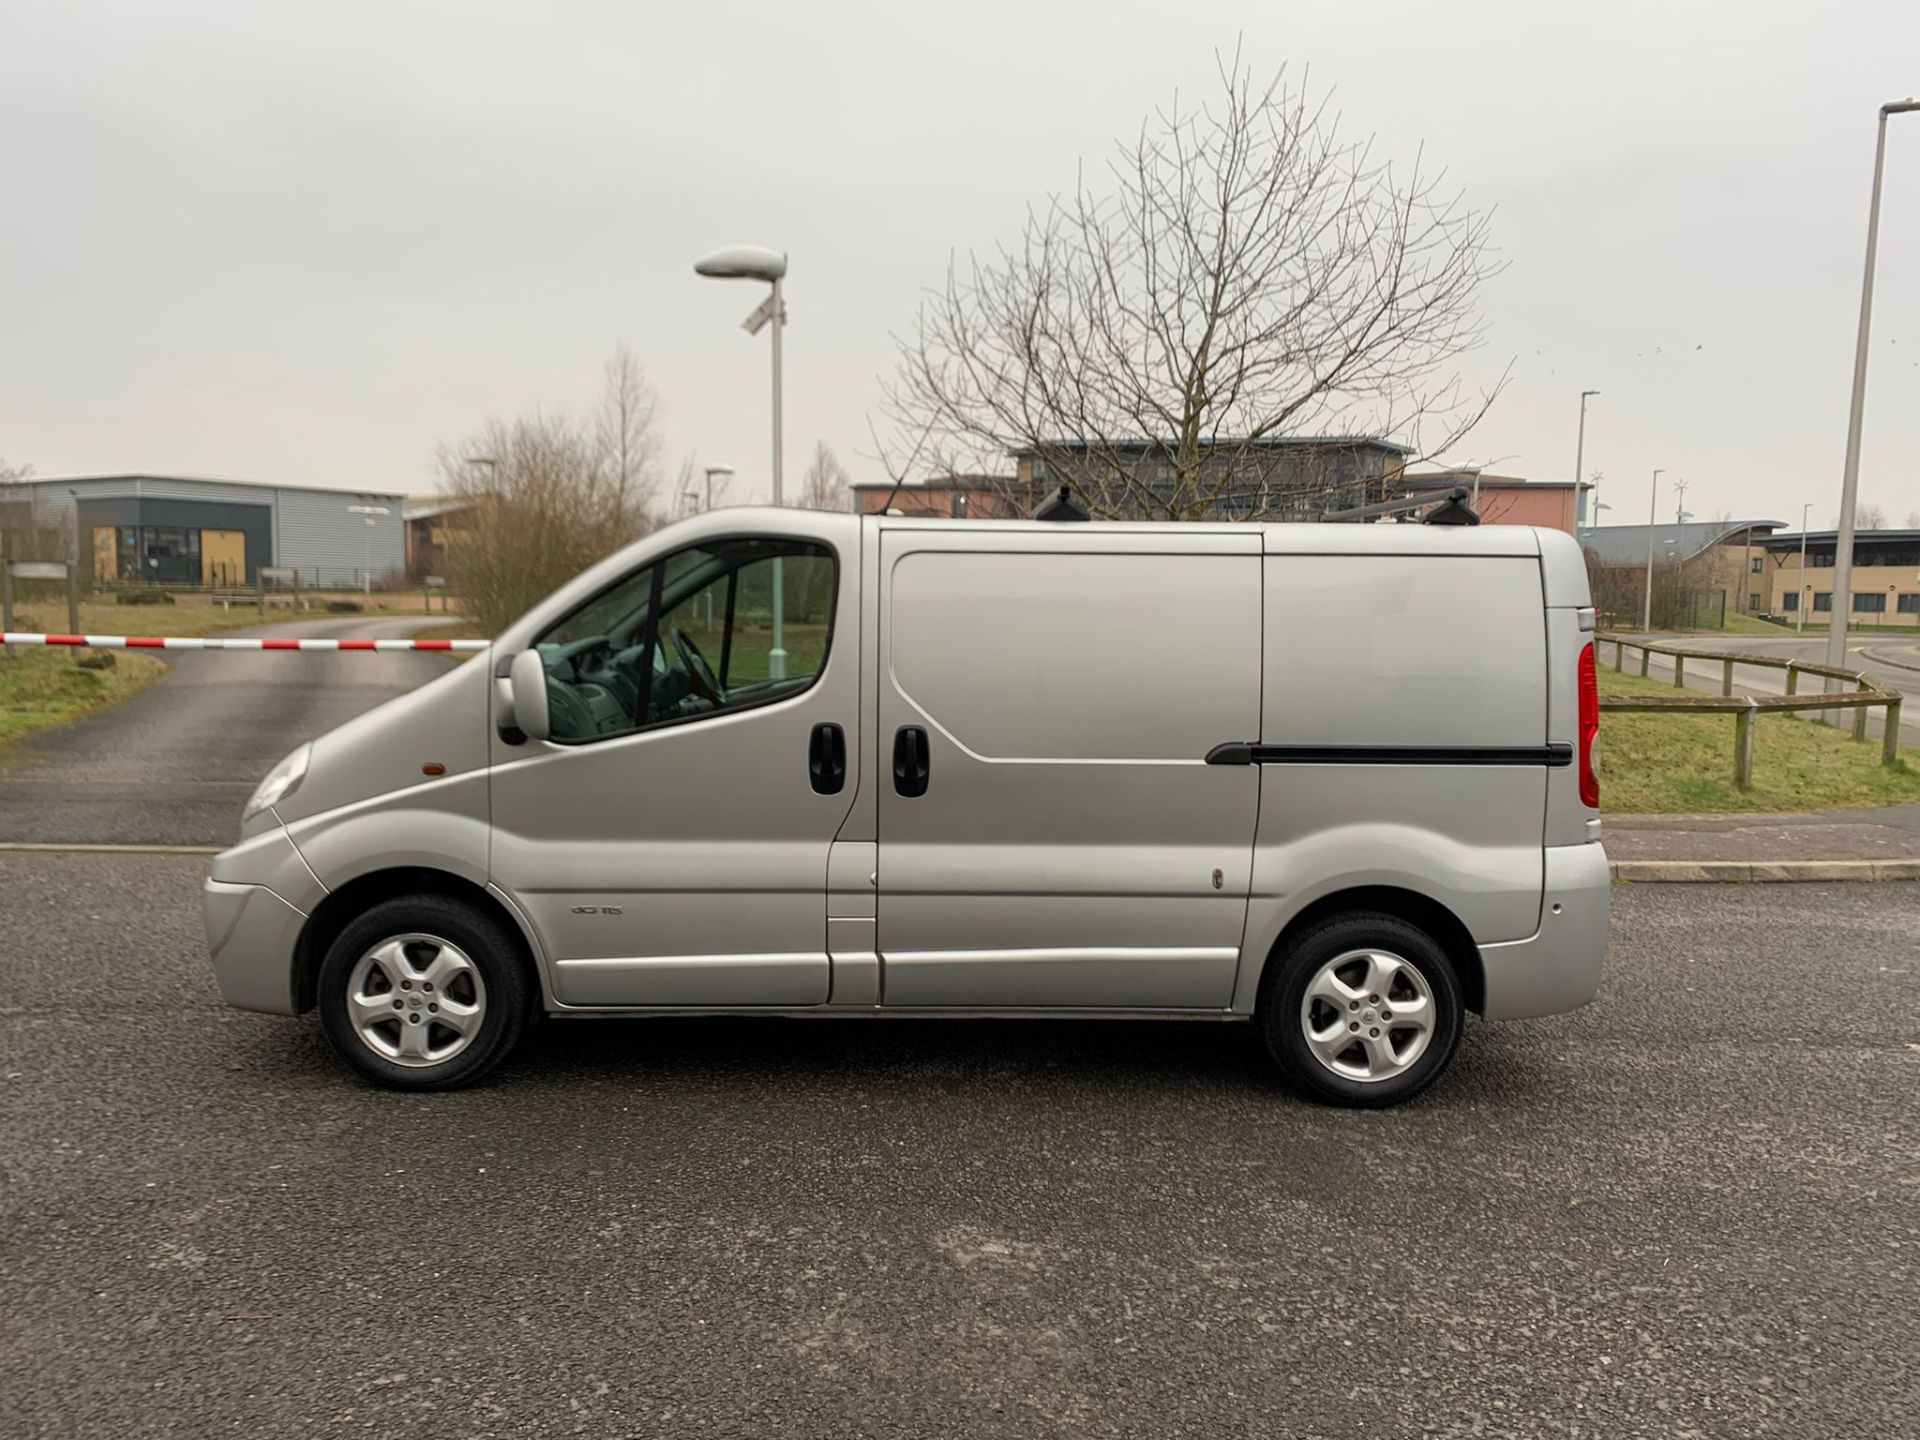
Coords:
1683,764
43,688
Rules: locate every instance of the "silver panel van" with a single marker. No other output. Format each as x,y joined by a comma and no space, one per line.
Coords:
1333,780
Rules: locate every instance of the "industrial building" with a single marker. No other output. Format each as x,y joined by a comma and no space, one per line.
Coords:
184,530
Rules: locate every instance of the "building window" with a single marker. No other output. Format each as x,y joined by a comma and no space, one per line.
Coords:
959,505
1753,601
1909,604
1870,604
1758,564
1823,601
1820,559
1790,602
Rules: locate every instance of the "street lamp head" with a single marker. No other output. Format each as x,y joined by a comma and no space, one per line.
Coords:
1900,107
743,262
1585,393
712,470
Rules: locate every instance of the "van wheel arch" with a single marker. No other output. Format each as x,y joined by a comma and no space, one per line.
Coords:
1408,905
333,914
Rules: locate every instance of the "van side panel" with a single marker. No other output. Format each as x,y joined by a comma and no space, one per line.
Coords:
1368,653
1404,650
1072,847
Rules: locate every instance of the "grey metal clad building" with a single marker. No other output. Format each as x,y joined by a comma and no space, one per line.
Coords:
190,531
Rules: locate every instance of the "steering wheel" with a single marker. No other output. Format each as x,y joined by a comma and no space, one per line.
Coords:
698,671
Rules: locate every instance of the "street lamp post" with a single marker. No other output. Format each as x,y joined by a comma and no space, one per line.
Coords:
756,262
1579,457
1850,476
1653,501
372,514
1806,590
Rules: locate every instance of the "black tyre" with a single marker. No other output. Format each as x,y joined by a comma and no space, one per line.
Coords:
424,993
1361,1010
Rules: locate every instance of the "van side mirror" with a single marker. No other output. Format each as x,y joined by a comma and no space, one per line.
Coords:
528,679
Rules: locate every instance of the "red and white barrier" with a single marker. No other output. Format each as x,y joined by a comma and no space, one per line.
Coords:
215,642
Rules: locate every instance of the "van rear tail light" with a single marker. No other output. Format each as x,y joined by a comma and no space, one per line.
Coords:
1589,729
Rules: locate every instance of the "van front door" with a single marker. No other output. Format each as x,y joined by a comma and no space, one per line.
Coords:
669,843
1049,832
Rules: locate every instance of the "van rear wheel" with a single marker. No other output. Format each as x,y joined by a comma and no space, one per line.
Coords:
423,993
1361,1010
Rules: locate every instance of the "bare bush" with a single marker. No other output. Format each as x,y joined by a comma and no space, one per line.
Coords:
1243,275
549,495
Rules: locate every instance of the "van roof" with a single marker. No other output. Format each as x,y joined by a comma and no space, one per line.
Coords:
1276,539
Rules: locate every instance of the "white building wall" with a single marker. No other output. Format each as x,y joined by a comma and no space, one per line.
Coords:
316,534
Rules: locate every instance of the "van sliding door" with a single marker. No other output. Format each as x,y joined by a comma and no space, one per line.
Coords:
1049,832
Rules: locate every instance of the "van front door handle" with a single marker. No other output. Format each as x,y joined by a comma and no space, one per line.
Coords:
910,761
827,759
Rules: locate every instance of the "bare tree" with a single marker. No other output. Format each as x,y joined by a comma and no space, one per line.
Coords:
1913,520
627,434
1867,517
1243,276
826,485
547,495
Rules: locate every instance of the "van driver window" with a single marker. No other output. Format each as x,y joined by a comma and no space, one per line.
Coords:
690,636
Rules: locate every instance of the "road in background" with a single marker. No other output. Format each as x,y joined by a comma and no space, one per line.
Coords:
1688,1209
1892,661
174,764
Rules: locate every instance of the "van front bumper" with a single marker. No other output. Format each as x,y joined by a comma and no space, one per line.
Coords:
1557,968
251,933
256,903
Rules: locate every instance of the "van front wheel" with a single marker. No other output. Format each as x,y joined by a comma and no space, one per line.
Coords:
1361,1010
423,993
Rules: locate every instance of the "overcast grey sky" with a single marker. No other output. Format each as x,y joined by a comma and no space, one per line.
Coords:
308,243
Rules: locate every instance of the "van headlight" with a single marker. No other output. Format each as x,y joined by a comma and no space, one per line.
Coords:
281,782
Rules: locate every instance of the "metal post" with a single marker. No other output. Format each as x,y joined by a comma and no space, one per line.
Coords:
777,660
1850,475
73,603
1890,742
6,583
1806,590
1653,500
1743,722
1579,458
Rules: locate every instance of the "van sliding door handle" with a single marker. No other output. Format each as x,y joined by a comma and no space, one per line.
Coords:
827,759
910,761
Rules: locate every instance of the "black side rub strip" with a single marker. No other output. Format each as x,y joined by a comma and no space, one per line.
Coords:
1240,752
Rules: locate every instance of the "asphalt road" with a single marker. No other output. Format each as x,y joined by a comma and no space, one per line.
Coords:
1893,661
174,764
1690,1209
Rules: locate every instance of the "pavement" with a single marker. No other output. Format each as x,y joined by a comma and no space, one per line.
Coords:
174,764
1876,844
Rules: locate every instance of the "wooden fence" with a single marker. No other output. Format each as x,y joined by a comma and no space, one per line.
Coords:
1747,709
